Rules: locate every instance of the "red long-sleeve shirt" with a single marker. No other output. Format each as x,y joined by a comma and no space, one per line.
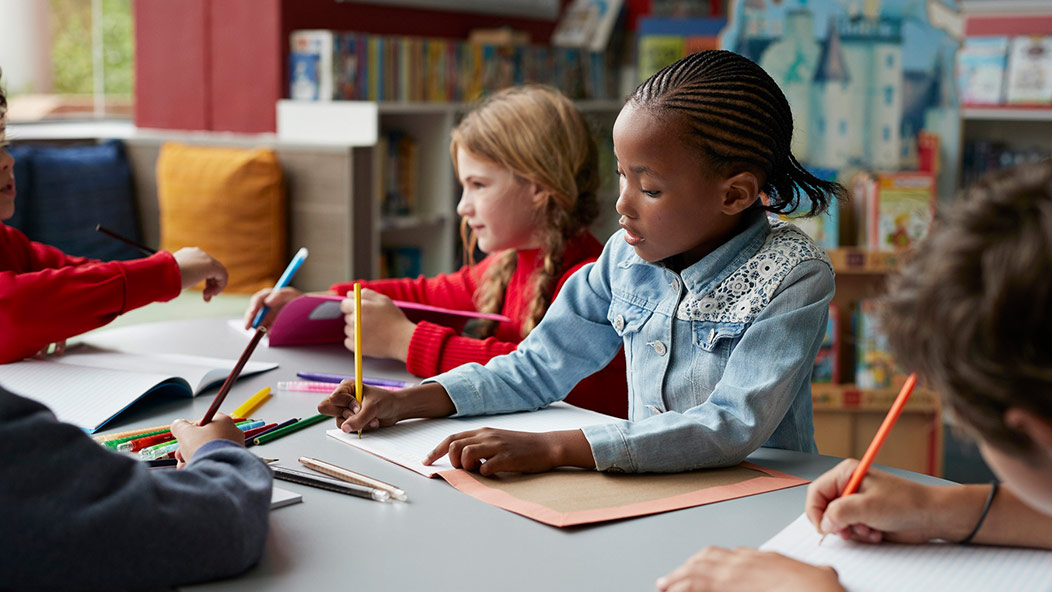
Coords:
47,296
434,349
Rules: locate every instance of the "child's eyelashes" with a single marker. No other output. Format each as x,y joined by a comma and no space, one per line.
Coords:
650,193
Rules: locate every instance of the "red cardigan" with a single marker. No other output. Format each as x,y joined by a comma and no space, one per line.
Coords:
47,296
435,349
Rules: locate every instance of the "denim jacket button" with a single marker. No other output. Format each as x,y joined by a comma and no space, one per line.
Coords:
619,323
615,469
659,348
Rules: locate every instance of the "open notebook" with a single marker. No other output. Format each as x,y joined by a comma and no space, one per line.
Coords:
90,388
889,566
316,318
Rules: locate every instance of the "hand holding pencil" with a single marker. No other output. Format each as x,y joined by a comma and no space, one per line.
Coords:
885,508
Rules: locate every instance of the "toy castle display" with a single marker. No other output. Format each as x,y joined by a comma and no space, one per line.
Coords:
863,77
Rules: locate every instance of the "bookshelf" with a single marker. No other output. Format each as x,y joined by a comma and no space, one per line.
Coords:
845,415
999,136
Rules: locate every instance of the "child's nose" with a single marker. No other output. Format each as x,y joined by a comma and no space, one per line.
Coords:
464,207
623,205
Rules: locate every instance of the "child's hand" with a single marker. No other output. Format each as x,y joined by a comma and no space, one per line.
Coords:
884,507
275,299
376,409
195,266
191,436
492,451
716,568
60,348
386,332
381,407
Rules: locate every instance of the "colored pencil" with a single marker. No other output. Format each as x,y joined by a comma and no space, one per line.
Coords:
229,382
142,248
878,440
253,402
338,378
352,477
283,281
358,347
250,442
299,425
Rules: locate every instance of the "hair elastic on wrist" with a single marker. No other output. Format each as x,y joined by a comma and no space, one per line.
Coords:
982,516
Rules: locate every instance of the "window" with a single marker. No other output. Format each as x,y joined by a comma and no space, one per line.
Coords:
887,133
68,59
889,95
890,61
842,128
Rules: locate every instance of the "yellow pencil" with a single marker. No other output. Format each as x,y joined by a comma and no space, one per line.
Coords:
250,405
358,346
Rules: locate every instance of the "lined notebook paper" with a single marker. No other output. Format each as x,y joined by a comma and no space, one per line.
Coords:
408,442
889,566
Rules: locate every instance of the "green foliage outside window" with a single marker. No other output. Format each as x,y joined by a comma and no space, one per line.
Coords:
71,50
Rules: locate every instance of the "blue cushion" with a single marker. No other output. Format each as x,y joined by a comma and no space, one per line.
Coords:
74,188
23,183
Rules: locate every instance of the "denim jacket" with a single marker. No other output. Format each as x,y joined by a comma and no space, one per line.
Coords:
719,356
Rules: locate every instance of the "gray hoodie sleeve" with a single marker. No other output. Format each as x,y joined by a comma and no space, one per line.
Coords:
76,516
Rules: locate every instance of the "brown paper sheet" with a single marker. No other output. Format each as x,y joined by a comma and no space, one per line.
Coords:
568,497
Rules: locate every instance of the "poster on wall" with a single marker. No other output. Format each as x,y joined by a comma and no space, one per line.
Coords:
862,77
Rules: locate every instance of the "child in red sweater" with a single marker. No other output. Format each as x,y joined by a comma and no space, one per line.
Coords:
529,170
47,296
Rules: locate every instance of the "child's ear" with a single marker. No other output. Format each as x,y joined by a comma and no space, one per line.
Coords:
537,193
740,192
1038,428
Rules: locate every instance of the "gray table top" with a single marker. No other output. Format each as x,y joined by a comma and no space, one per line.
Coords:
442,539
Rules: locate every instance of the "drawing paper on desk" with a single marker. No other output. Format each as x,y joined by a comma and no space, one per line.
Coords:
279,498
316,318
407,443
89,388
889,566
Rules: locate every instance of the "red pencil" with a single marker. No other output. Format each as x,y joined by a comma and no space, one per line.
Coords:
229,382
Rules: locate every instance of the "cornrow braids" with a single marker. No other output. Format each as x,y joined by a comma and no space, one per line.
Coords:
738,118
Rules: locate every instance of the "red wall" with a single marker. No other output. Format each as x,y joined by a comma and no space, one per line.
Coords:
221,64
172,65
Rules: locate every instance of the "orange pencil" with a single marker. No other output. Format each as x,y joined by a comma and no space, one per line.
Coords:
882,434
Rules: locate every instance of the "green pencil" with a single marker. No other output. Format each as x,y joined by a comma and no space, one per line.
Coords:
299,425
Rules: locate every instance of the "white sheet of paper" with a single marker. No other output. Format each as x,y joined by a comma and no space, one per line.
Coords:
889,566
408,442
279,498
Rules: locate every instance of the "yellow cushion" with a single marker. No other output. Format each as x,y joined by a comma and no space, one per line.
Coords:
229,202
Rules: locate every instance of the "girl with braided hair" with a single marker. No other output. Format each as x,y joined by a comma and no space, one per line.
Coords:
529,169
720,310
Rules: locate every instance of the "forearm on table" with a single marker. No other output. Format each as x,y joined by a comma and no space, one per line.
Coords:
1009,522
426,400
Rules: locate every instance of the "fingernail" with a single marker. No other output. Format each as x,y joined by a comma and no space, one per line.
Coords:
827,525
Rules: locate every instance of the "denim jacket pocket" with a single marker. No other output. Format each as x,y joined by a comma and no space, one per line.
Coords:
627,318
712,336
713,342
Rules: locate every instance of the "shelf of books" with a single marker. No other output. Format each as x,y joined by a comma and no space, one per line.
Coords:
849,397
1006,113
856,260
